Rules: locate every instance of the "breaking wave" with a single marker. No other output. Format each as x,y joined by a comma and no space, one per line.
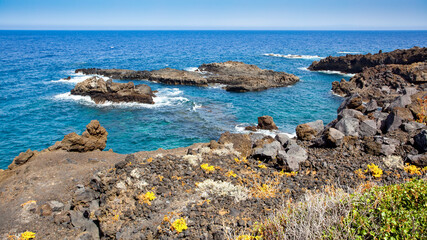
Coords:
164,97
240,128
292,56
76,78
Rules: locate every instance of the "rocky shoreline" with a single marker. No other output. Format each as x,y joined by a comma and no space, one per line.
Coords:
356,63
220,189
237,76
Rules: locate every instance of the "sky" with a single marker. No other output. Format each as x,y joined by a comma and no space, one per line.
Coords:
213,14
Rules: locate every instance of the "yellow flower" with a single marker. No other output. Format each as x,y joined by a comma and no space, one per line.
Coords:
179,225
261,166
147,197
231,174
374,170
207,168
28,235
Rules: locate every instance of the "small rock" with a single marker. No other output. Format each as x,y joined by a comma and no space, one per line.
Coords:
45,210
334,137
56,206
367,128
393,162
267,123
420,141
412,126
392,122
268,151
283,139
308,131
419,160
371,106
348,126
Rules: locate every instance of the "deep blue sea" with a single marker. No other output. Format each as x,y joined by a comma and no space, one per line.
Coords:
36,109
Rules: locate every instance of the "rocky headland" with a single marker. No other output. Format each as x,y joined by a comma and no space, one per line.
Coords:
101,91
236,76
356,63
220,189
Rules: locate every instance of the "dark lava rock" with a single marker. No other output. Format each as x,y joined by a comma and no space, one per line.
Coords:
267,123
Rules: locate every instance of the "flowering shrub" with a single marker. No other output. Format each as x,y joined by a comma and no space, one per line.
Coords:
179,225
411,169
374,170
147,197
27,235
231,174
207,168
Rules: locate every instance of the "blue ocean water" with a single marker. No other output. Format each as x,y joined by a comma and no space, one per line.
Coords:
36,111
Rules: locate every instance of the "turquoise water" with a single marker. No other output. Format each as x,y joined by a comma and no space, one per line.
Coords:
35,110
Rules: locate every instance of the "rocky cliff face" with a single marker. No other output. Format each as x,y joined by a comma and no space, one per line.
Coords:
356,63
237,76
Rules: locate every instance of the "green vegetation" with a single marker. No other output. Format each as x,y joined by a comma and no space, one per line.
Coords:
371,212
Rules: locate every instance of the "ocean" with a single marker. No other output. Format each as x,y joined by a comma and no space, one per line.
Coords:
36,109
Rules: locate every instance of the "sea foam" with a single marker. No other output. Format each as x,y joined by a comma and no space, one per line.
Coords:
349,52
164,97
337,73
292,56
76,78
240,128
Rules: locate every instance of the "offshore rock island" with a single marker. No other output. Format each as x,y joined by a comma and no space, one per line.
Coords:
237,76
220,189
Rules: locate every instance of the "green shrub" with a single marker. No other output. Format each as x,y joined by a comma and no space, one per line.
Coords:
390,212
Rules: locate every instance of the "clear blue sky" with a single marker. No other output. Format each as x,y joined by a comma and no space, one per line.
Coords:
214,14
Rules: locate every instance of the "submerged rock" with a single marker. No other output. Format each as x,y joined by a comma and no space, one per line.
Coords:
101,91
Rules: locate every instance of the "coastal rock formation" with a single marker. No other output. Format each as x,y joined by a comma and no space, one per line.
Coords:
237,76
385,83
356,63
101,91
267,123
93,138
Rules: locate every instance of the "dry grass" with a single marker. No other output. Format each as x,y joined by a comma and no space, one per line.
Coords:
308,219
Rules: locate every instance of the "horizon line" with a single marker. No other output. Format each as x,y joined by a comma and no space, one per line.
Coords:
1,29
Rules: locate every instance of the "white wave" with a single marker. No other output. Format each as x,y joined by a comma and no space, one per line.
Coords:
196,106
76,78
241,129
192,69
164,97
333,93
349,52
336,73
292,56
112,47
303,69
217,86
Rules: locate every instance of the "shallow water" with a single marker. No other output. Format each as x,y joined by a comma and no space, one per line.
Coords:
36,109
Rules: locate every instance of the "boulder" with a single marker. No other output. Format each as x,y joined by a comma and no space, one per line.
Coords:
308,131
412,126
290,160
420,141
401,101
268,152
392,122
367,128
346,113
333,137
22,158
267,123
419,160
283,139
94,138
393,162
349,126
241,142
255,137
371,106
101,91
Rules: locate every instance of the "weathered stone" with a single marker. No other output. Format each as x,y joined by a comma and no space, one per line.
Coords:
348,126
296,155
255,137
283,139
241,142
308,131
22,158
419,160
401,101
334,137
268,151
347,113
367,128
94,138
371,106
287,162
412,126
45,210
56,206
420,141
392,122
393,162
267,123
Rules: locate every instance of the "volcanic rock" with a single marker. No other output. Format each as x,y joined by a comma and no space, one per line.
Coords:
22,158
308,131
267,123
101,91
356,63
421,141
237,76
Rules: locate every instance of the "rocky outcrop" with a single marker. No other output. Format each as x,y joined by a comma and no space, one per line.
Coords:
94,138
237,76
308,131
101,91
356,63
267,123
385,82
22,158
